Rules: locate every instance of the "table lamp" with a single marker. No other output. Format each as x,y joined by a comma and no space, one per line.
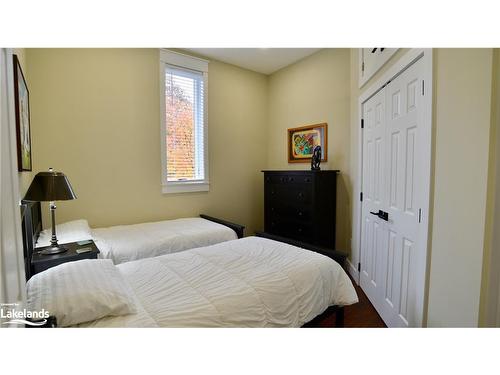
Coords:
50,187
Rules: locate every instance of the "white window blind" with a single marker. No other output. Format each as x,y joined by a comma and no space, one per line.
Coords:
184,127
184,93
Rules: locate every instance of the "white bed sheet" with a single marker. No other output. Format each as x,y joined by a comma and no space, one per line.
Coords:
124,243
251,282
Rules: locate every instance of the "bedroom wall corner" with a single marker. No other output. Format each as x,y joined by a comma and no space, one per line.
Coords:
315,90
97,119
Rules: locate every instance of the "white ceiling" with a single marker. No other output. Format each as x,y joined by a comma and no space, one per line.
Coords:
262,60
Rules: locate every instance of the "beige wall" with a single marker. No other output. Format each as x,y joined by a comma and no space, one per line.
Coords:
461,129
96,117
24,177
488,314
311,91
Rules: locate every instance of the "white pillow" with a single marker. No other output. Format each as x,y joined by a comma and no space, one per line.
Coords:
81,291
71,231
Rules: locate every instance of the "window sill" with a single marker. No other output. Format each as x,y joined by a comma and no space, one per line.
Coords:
184,187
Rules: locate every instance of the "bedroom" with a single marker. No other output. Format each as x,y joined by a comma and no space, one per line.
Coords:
95,114
100,127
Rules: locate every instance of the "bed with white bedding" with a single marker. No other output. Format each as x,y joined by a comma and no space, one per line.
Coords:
124,243
250,282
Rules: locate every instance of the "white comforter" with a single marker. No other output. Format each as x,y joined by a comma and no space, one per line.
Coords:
251,282
124,243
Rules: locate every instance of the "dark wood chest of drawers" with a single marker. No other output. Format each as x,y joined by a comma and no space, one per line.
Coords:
301,205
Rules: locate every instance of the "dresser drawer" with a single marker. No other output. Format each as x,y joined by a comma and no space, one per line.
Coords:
294,212
296,194
289,228
288,179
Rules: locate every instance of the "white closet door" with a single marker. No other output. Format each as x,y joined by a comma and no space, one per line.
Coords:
392,183
374,197
404,124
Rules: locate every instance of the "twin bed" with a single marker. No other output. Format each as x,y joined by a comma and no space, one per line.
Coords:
124,243
246,282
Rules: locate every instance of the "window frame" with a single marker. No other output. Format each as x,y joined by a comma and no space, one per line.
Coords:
179,60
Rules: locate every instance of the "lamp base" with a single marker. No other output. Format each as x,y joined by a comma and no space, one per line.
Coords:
54,250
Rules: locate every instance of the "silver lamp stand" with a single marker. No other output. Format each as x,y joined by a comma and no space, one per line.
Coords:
54,248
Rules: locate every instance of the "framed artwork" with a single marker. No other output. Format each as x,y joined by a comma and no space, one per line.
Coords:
301,142
22,108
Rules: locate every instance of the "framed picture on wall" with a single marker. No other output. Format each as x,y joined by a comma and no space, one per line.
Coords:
22,109
302,140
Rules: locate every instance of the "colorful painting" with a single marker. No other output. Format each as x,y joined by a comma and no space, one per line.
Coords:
301,142
22,118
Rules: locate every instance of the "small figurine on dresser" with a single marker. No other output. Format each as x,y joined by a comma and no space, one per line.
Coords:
316,159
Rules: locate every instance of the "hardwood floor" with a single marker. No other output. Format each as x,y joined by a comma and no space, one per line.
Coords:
362,314
359,315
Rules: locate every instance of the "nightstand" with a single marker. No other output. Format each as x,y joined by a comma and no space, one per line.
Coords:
40,262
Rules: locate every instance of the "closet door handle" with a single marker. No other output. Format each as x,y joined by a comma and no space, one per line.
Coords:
381,214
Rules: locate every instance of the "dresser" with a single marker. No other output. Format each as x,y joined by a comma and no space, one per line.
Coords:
301,205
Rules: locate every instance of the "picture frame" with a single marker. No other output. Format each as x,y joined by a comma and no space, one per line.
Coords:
22,109
302,140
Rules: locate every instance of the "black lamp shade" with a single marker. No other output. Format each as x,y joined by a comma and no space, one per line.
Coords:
50,186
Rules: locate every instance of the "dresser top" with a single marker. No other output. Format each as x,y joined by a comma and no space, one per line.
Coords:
300,171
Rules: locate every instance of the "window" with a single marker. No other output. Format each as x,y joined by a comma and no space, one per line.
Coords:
183,123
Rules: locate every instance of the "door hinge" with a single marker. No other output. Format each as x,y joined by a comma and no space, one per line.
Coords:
423,87
361,196
419,215
362,123
359,267
363,66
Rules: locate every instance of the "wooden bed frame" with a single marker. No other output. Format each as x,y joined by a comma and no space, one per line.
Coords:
239,229
31,215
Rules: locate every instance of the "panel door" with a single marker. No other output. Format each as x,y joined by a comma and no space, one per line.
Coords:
392,182
374,198
404,117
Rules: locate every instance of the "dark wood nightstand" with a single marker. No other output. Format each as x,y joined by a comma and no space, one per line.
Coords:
40,262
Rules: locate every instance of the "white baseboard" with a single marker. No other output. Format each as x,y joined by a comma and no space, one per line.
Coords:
353,271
